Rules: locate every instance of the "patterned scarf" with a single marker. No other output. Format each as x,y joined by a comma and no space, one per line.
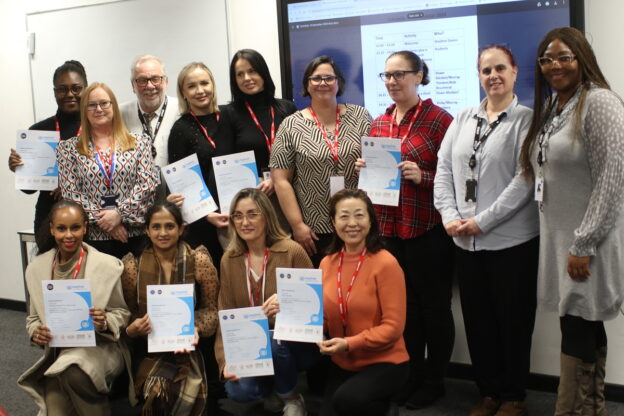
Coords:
170,384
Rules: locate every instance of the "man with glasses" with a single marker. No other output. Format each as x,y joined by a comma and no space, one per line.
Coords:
153,112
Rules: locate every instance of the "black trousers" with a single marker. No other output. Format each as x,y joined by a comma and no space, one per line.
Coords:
427,262
498,298
363,393
135,245
581,338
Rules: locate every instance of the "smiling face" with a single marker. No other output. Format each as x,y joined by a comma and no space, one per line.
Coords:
352,223
198,91
562,77
99,117
150,96
68,101
163,230
248,80
404,90
497,74
251,225
323,91
68,227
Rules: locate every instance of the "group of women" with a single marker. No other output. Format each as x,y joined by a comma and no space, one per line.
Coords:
472,181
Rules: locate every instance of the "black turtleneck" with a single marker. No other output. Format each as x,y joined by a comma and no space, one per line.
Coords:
68,126
246,133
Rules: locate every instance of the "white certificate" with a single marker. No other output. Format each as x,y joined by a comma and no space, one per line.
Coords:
246,342
233,173
300,294
37,149
66,304
171,310
185,177
381,179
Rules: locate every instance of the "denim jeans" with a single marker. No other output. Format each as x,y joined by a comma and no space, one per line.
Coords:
289,358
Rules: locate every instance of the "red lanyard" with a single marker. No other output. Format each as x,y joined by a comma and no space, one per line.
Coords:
342,302
78,265
409,127
255,295
269,142
333,147
58,128
203,129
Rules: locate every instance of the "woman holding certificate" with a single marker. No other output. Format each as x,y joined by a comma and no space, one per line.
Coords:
202,129
314,153
486,207
169,260
75,380
109,172
574,151
257,247
364,305
69,80
413,230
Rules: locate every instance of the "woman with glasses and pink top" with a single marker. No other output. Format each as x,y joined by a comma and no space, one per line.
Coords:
314,155
109,172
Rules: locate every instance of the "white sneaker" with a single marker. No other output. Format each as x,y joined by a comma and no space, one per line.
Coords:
273,403
295,407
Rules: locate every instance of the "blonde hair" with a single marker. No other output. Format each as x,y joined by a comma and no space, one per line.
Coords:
122,137
273,230
184,107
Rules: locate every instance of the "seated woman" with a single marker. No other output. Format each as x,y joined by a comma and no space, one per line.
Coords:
258,246
364,304
169,260
75,380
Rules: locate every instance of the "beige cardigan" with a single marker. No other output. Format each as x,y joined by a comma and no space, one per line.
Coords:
234,294
101,363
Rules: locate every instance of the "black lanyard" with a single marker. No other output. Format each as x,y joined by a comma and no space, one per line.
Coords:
146,128
479,140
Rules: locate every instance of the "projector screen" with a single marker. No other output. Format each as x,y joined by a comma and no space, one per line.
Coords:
446,34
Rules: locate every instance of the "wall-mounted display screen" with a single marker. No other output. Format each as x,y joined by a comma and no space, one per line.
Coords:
447,34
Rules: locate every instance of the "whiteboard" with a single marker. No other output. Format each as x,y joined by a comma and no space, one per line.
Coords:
106,38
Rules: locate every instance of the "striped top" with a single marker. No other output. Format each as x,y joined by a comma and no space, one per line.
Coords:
300,146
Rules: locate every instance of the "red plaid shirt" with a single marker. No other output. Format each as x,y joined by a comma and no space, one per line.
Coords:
415,214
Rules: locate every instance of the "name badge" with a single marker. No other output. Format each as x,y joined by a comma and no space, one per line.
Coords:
471,190
336,183
539,189
266,174
108,201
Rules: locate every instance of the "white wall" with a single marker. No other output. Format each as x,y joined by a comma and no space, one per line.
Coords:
253,24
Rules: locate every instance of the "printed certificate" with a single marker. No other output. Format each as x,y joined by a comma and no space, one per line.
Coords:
300,295
66,305
233,173
381,179
185,177
37,149
171,310
246,342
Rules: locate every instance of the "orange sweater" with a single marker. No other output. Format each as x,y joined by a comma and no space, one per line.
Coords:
375,311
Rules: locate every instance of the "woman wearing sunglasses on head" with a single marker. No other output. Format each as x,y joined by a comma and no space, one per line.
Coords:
110,172
314,153
258,246
486,206
574,152
69,80
413,231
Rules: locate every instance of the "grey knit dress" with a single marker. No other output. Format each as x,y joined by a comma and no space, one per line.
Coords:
582,210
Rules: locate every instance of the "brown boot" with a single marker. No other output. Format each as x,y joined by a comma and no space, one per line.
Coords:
594,404
575,381
487,407
512,409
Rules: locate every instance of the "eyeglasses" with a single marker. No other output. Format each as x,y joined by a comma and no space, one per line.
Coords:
251,216
155,80
318,80
75,89
547,61
397,75
104,105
